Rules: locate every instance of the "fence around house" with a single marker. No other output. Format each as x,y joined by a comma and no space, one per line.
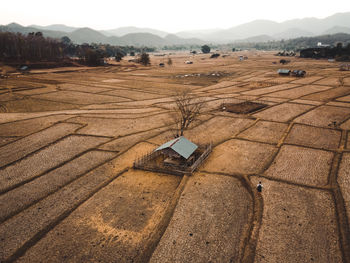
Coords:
147,163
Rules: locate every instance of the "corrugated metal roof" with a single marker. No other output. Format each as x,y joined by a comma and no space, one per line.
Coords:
283,71
180,145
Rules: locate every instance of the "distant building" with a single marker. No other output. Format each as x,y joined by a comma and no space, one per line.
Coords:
319,44
24,69
298,73
284,72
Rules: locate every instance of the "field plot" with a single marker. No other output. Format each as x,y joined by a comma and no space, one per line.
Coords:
69,138
83,88
344,181
314,137
80,98
328,94
218,129
301,165
324,116
238,156
26,127
42,161
299,92
307,80
33,142
270,89
283,112
298,225
119,127
328,81
264,131
345,99
206,225
135,95
114,224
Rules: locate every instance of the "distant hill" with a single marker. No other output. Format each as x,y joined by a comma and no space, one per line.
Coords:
337,29
296,43
122,31
56,27
201,34
285,30
142,39
14,27
257,39
293,33
88,35
173,39
258,30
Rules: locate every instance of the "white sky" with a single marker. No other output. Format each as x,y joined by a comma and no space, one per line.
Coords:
171,16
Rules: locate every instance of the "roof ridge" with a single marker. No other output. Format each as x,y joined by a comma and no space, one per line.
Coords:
175,141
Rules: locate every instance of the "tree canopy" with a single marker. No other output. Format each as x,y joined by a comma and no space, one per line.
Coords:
205,49
144,59
16,48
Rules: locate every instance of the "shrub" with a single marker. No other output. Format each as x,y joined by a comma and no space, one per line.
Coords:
215,55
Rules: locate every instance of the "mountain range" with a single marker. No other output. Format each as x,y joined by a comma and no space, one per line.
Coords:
255,31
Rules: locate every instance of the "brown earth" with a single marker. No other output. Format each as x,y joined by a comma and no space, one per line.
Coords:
69,137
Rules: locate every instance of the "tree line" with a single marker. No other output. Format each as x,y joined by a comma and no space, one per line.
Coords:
34,47
338,52
295,44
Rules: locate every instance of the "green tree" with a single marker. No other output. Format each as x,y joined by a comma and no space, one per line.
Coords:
205,49
66,40
93,57
144,59
170,61
119,54
339,46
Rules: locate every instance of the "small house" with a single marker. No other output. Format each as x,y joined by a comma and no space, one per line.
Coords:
178,156
284,72
24,69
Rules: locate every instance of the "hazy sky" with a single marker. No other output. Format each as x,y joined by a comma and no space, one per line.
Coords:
171,16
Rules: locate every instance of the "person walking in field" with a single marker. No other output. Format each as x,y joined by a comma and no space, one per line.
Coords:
259,187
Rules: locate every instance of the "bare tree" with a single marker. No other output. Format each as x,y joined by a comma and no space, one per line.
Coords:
341,81
186,111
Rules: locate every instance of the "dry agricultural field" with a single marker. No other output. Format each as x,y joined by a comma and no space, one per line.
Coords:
68,139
